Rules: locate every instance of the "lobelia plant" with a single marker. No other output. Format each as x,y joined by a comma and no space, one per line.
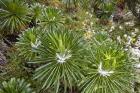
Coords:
28,43
52,18
37,10
13,15
103,8
15,86
109,68
60,57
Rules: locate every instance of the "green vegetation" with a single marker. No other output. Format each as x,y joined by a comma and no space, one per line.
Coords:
69,46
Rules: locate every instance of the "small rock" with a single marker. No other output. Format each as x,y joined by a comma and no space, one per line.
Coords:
3,47
3,60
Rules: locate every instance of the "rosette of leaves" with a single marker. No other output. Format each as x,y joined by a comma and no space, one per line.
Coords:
28,43
61,60
52,18
103,8
108,67
13,15
37,10
15,86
